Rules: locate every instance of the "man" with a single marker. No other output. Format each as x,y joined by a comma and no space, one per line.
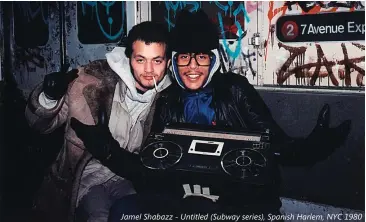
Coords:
202,95
123,87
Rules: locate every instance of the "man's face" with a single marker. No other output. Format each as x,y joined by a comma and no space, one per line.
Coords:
193,69
148,61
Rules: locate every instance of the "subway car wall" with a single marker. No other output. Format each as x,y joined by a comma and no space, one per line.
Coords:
296,63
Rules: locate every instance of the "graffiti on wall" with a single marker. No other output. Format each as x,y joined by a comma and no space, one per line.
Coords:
229,17
101,21
29,59
31,33
303,71
306,7
232,12
313,64
31,10
242,64
330,6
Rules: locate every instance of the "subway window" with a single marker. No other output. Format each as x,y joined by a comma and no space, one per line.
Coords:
101,22
31,23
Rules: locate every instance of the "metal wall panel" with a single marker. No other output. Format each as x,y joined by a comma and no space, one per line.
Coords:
31,61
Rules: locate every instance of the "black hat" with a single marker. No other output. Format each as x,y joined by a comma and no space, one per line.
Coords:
194,32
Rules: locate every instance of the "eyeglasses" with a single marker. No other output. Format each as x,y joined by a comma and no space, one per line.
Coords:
202,59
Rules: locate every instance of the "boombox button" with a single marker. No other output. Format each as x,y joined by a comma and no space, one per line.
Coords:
265,138
257,145
158,136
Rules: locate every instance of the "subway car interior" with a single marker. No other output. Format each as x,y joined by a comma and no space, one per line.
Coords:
298,55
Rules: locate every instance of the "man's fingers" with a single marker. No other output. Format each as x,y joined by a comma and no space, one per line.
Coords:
337,136
324,116
342,131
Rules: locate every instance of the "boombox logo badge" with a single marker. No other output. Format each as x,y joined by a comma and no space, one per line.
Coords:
197,191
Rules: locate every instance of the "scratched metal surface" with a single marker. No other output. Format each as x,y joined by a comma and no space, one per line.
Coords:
30,65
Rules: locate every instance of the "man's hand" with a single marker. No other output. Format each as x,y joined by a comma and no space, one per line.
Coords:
97,139
323,140
55,84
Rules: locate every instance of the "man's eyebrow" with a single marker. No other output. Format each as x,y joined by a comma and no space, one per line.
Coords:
139,56
157,57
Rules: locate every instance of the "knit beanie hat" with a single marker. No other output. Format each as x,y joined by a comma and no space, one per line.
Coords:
194,32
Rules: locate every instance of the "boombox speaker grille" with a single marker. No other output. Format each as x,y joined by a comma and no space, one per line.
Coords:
161,155
243,163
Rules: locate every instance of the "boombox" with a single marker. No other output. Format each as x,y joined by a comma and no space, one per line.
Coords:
207,150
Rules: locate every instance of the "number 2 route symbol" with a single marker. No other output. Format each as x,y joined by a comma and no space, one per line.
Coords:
290,30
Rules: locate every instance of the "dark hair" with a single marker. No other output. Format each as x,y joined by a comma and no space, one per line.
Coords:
148,32
194,32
